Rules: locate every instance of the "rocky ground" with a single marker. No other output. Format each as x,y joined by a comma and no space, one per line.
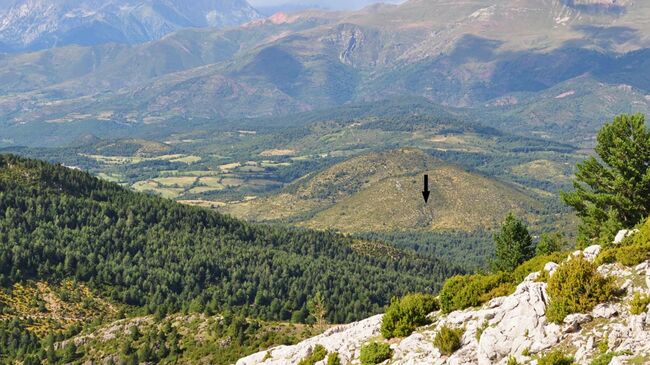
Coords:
512,326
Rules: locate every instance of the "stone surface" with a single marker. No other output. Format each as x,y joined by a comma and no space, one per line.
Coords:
622,234
590,253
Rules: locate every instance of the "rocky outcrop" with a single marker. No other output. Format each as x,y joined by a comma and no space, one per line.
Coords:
512,326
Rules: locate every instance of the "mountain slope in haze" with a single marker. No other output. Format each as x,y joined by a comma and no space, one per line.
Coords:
38,24
381,191
458,54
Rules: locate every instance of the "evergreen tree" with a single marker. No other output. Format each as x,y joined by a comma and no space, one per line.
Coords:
613,190
318,309
513,244
550,243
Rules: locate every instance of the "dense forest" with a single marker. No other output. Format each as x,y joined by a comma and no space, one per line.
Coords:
145,251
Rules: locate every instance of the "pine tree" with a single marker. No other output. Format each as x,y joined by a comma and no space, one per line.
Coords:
550,243
513,244
318,310
613,190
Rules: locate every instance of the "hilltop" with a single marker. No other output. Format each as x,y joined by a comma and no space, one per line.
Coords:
380,191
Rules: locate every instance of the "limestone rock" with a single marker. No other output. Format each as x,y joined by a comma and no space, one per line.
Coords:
604,310
622,234
573,322
550,267
590,253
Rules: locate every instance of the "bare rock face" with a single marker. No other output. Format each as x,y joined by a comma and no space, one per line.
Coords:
519,324
346,340
512,326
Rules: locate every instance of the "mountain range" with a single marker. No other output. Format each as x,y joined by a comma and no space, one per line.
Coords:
40,24
484,55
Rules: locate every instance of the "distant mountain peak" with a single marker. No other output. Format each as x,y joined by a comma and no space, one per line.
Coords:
38,24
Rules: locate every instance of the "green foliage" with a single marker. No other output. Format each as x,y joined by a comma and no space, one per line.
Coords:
613,192
375,353
576,287
603,345
550,243
460,292
480,329
318,309
633,254
403,316
555,357
17,342
513,245
639,303
603,359
448,340
512,361
317,354
632,251
144,251
606,256
333,359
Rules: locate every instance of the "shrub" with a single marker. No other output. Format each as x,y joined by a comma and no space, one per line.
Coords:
603,359
639,303
333,359
317,354
375,353
576,287
448,340
606,256
643,236
405,315
512,361
481,329
460,292
603,345
535,264
555,357
633,254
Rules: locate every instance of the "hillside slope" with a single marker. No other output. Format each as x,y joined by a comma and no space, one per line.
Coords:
150,252
381,191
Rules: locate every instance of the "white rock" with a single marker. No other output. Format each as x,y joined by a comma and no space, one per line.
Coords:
604,310
346,340
590,253
522,321
642,267
550,267
622,234
573,322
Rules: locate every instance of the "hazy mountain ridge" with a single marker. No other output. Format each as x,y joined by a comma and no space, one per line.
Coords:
457,54
37,24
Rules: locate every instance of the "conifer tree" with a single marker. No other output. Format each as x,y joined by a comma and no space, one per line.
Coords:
612,191
513,244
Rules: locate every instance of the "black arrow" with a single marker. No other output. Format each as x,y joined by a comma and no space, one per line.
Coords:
426,192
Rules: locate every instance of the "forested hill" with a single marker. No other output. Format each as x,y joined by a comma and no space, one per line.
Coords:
58,223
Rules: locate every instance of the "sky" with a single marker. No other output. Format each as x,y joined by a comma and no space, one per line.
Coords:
328,4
